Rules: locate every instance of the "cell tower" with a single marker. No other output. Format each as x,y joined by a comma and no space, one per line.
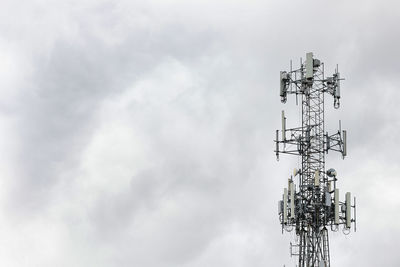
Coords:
311,203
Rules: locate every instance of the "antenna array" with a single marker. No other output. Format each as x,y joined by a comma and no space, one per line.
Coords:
311,203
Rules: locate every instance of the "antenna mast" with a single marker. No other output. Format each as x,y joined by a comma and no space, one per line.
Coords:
311,204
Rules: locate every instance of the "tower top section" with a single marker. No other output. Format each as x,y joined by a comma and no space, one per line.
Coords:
300,80
309,84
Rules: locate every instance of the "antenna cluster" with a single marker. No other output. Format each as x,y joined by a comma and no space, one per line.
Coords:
311,202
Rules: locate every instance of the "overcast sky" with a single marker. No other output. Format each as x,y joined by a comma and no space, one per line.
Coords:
140,133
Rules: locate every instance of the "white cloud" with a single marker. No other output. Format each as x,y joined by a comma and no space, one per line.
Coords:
140,134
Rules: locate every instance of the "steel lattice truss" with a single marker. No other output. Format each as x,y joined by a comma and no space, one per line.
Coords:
311,204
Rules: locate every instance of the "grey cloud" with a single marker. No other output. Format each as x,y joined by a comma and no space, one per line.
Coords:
58,110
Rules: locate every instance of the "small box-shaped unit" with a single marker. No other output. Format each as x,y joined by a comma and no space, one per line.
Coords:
328,199
336,77
316,178
284,78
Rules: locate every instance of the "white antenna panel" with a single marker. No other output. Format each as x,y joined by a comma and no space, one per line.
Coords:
291,188
309,66
348,210
344,143
336,206
285,199
283,126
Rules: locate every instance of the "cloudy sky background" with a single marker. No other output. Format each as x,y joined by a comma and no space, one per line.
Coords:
140,133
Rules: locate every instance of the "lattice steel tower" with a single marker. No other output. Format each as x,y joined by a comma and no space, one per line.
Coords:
311,203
